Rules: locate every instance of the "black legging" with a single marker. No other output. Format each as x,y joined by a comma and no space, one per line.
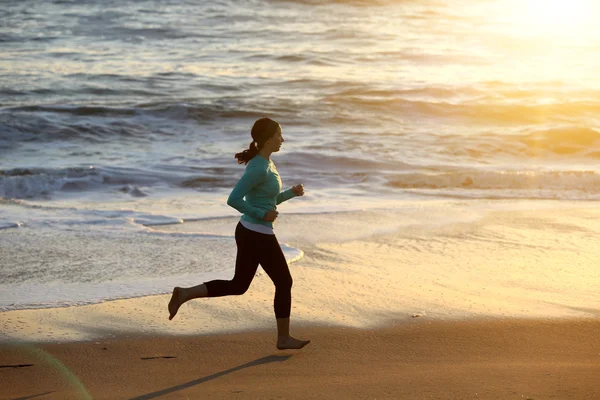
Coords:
255,248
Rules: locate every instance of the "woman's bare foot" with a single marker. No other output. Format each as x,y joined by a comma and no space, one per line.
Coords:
174,303
290,343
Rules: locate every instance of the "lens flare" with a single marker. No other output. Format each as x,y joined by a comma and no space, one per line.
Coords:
63,370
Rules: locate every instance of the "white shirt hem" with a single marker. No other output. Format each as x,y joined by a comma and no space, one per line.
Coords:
257,227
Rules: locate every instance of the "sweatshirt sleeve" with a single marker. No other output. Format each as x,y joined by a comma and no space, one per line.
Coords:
252,177
285,195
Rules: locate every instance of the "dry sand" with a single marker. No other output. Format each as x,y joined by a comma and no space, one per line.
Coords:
419,359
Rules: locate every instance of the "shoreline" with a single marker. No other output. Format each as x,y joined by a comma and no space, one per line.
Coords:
357,270
251,313
419,358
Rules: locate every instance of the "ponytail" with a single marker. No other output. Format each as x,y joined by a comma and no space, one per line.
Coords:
247,154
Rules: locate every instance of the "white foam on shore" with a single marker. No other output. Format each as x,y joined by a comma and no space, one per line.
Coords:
52,295
534,260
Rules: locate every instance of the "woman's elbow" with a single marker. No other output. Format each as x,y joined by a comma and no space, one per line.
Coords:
234,201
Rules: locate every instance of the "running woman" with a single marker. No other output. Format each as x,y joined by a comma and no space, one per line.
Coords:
256,196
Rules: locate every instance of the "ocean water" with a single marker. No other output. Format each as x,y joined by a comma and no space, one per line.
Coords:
119,122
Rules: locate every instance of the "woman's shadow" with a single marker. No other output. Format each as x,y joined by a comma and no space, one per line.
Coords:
263,360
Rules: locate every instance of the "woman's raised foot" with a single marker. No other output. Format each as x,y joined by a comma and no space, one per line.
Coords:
175,302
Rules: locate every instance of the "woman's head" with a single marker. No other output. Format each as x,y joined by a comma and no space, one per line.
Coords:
266,134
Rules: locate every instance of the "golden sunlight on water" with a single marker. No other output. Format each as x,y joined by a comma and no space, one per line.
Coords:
572,19
521,42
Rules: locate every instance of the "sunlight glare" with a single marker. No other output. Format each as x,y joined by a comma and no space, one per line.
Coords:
555,17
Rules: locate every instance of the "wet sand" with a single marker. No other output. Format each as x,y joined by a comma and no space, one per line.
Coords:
416,359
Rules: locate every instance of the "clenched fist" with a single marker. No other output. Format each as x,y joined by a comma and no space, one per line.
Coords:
270,216
298,190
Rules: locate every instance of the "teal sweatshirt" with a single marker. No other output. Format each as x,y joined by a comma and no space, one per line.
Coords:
261,187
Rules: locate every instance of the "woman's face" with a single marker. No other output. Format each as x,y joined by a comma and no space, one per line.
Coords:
274,142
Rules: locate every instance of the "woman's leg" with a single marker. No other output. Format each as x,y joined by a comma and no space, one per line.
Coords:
275,265
246,264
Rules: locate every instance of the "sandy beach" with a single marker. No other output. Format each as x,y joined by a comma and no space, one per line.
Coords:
502,307
419,359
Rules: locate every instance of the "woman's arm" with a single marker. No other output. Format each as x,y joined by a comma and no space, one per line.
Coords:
297,190
251,178
285,195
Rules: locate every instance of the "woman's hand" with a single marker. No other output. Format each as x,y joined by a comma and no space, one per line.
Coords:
270,216
298,190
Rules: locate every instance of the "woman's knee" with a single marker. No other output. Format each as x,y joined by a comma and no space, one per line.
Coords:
238,287
285,283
